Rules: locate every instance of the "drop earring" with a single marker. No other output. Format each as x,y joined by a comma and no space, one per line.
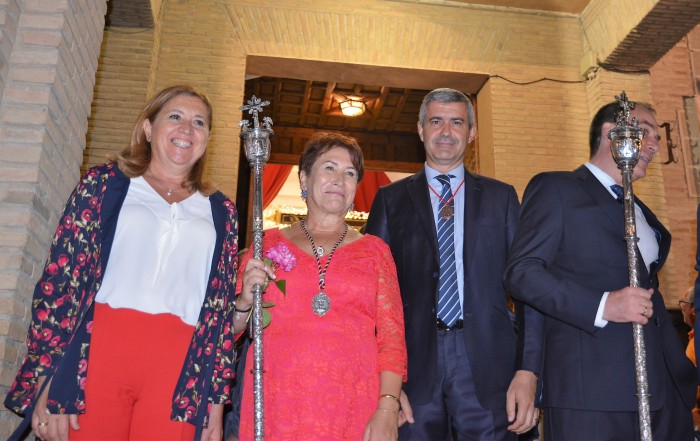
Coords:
304,194
352,207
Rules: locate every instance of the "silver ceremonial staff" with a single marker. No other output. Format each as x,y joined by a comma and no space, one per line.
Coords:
626,144
256,141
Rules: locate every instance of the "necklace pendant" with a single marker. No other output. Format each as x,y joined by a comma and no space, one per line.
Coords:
447,212
320,251
321,304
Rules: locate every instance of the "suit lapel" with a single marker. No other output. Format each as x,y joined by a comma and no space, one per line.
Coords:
472,206
420,198
665,236
602,197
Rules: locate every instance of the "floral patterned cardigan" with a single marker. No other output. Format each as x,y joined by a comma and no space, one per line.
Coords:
59,333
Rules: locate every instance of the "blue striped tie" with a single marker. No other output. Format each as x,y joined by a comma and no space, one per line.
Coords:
449,309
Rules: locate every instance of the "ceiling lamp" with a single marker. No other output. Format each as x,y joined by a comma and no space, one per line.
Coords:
353,107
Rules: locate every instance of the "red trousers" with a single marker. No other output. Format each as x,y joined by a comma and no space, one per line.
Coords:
134,363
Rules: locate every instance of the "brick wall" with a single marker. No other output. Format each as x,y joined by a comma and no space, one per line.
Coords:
536,127
207,54
9,16
121,88
671,80
606,23
49,56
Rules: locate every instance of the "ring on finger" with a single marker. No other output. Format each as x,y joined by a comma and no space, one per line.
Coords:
43,424
644,313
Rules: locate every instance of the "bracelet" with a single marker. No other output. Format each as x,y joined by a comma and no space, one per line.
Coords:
390,396
388,410
242,311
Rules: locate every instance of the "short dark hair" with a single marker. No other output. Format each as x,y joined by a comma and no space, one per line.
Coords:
322,142
446,95
607,113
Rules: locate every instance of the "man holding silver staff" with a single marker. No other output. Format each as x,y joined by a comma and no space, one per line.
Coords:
569,260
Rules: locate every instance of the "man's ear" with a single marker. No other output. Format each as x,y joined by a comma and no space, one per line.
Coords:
605,129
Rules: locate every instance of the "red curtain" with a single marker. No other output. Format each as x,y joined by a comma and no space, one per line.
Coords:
274,177
371,181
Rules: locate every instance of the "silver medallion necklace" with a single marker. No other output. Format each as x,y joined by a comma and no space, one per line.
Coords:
321,303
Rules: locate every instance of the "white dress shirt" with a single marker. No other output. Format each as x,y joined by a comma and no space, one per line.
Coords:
459,204
161,255
648,245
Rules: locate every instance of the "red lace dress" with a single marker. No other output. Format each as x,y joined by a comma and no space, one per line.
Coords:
321,378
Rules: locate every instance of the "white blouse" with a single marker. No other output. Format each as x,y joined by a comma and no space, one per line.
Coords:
161,255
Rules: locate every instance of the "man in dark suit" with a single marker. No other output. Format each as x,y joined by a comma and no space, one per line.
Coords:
569,261
463,349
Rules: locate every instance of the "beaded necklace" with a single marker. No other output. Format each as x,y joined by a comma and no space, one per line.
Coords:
321,303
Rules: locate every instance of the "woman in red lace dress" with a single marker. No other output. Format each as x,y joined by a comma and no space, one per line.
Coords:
335,354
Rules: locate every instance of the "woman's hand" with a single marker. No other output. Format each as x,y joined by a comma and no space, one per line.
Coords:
384,423
256,272
215,429
383,426
47,426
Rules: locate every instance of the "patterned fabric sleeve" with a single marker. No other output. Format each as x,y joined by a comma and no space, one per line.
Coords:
227,268
208,369
391,338
70,266
245,257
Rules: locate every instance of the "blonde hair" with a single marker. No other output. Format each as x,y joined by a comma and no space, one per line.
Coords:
135,159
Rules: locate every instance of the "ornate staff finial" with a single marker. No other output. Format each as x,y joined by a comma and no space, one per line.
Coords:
254,106
256,138
623,116
626,137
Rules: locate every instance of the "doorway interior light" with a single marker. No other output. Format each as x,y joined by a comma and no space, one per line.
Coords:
353,107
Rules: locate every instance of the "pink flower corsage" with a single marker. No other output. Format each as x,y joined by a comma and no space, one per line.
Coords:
278,256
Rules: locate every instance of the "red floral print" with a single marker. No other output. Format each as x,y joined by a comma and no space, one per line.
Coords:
64,296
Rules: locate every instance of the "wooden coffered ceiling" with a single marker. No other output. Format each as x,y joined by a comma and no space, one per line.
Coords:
386,130
316,104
